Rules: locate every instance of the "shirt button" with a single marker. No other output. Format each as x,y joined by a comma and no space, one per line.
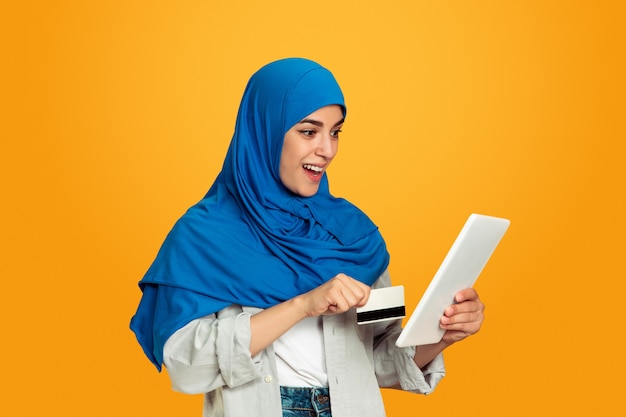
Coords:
268,378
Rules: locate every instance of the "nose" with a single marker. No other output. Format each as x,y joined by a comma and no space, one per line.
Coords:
327,146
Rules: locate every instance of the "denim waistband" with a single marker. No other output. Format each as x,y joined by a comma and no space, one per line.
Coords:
316,399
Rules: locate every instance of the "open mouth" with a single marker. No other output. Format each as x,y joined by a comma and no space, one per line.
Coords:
314,170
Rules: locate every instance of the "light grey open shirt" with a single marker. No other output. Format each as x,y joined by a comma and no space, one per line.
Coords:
211,356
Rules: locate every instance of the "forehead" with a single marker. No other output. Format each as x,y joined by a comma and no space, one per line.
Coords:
332,114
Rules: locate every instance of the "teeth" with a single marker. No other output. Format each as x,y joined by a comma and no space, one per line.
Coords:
313,168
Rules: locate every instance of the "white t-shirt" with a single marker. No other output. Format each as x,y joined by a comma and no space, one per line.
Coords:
301,360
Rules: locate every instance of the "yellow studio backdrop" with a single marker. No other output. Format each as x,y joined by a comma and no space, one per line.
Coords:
116,116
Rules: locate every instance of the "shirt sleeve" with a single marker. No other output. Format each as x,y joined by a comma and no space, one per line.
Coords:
394,365
211,352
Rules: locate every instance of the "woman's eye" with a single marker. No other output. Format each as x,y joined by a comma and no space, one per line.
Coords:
335,133
308,132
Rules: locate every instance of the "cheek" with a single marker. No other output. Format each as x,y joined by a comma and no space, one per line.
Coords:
282,171
287,165
284,160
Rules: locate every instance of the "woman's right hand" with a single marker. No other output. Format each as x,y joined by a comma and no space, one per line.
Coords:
335,296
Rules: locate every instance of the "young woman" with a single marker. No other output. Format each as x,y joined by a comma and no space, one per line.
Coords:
251,298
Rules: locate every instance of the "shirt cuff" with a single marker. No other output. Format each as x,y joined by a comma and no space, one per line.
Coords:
414,379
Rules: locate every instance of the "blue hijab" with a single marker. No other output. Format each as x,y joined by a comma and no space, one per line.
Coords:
250,241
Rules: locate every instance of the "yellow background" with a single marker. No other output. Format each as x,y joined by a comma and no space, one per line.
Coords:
116,116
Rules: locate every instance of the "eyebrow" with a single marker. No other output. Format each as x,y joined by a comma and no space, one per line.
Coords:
318,123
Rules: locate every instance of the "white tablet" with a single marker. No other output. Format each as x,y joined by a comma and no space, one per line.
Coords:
459,270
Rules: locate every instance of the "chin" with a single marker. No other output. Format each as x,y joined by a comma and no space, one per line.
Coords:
308,192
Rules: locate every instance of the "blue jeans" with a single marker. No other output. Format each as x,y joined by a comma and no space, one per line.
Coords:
305,402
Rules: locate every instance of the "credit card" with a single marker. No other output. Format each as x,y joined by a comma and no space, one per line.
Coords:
383,304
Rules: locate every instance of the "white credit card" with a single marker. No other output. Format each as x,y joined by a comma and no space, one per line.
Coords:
383,304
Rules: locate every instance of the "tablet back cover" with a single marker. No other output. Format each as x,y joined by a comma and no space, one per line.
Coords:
464,262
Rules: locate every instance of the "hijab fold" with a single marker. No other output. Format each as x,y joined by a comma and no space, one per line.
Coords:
250,241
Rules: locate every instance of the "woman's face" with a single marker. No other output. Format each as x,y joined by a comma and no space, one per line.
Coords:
309,147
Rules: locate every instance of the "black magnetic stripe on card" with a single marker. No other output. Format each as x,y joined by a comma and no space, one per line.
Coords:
384,313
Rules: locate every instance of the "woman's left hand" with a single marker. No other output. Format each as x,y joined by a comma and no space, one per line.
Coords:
463,318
